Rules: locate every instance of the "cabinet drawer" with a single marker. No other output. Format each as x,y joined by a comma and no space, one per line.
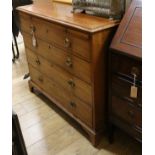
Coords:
69,82
127,66
67,61
77,42
72,104
123,110
122,88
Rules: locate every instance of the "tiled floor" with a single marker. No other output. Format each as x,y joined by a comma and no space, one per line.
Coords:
48,131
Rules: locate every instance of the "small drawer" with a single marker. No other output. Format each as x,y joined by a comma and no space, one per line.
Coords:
127,67
72,104
123,110
80,46
122,88
49,32
67,61
69,82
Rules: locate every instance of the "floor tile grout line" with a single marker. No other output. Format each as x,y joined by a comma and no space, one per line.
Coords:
37,123
45,137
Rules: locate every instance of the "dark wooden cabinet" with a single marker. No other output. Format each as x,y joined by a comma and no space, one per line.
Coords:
125,74
18,144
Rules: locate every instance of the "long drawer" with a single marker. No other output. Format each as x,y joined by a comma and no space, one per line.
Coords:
123,110
127,114
69,82
122,88
70,40
72,64
71,103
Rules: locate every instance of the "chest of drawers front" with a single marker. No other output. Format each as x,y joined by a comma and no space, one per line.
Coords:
68,66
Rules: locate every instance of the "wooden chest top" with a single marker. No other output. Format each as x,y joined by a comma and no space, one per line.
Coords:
62,14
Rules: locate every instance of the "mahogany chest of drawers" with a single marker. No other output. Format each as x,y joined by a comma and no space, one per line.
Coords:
125,94
67,57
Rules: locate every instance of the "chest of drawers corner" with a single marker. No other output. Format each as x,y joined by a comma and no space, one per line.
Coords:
68,63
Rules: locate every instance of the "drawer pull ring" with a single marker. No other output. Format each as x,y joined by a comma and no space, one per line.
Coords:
40,79
37,62
32,28
67,42
134,71
72,104
131,113
69,62
50,46
71,83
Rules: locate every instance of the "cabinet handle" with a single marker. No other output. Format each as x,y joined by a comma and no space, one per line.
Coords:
40,79
135,71
67,42
69,62
33,29
50,46
71,83
37,62
131,113
72,104
140,105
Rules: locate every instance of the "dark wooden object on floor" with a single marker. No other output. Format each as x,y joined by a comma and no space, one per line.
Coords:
15,52
67,57
125,72
18,144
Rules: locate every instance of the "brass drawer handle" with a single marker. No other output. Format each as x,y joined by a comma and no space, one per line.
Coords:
40,79
32,32
140,105
69,62
37,62
67,42
32,28
135,71
131,113
72,104
50,46
71,83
